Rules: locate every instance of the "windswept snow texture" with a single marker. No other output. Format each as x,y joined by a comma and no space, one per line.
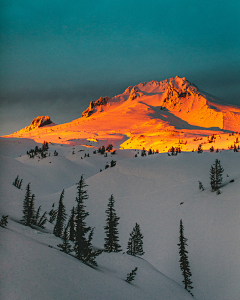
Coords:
147,190
154,114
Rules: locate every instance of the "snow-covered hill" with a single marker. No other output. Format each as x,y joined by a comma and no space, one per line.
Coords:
156,115
156,191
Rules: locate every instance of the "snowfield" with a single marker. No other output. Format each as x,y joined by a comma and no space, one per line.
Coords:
155,191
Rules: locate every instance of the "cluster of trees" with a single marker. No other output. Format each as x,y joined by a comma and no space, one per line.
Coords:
42,151
76,229
17,182
216,177
77,236
30,215
102,149
144,152
174,151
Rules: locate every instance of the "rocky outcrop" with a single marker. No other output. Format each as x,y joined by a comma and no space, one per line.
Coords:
40,121
93,104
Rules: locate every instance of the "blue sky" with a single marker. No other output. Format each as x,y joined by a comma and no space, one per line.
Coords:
57,56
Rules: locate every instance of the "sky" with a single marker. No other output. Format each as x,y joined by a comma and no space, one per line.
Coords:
57,56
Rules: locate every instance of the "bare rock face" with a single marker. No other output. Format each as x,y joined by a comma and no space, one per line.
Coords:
40,121
93,104
135,93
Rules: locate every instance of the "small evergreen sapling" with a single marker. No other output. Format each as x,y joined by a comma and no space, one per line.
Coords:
17,183
4,221
131,276
65,246
135,243
184,264
200,186
112,239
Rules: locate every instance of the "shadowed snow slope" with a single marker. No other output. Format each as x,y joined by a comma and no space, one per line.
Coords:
147,190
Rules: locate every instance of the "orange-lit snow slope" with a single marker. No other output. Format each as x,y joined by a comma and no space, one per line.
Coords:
155,115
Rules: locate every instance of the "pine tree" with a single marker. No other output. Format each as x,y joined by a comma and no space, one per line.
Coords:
135,243
71,222
61,217
26,203
184,264
111,241
131,276
82,245
53,214
65,246
31,211
216,172
4,221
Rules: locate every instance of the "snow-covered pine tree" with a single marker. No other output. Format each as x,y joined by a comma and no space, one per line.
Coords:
184,264
65,246
61,217
131,276
216,178
112,239
82,245
135,243
71,222
4,221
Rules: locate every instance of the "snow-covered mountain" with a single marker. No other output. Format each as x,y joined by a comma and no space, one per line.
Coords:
154,115
156,191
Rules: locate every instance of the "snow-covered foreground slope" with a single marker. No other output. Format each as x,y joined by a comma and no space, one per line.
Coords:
147,190
30,269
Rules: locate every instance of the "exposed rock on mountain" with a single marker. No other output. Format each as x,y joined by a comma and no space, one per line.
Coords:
93,106
40,121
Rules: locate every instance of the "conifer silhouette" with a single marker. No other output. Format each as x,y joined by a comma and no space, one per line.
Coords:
184,264
61,217
65,246
82,245
216,178
135,243
112,239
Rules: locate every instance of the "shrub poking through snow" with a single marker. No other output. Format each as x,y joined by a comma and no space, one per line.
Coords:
200,186
4,221
131,276
17,183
